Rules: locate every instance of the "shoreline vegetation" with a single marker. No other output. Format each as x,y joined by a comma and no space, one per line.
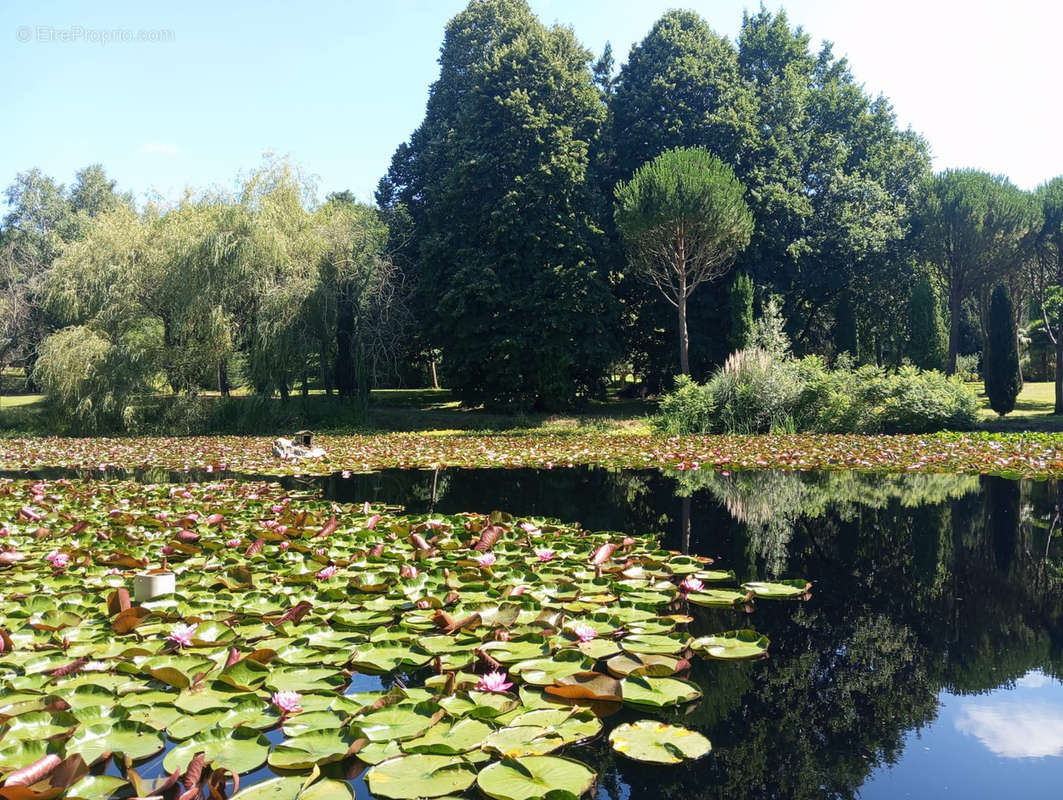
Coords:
1008,455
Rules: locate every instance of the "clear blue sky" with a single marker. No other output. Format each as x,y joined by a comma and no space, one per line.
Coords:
338,85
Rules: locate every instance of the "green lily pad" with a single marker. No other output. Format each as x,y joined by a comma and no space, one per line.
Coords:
732,645
643,664
134,740
294,787
308,749
716,598
523,740
571,724
96,787
658,743
533,777
238,750
545,671
39,725
393,723
414,776
644,691
654,645
450,739
18,753
778,590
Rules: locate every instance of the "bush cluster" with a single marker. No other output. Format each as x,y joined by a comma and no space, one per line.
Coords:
760,392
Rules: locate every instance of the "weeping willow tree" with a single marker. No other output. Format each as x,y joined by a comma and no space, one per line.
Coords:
266,278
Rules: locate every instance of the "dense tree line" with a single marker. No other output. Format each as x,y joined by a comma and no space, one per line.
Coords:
523,125
496,228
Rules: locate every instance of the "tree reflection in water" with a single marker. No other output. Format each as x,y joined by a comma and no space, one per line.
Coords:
922,583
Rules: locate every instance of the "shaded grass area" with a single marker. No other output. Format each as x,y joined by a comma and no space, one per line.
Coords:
426,411
1033,411
438,412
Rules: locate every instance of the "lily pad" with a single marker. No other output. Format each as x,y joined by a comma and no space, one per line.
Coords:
778,590
523,740
644,691
450,739
658,743
132,739
732,645
414,776
533,777
238,750
294,787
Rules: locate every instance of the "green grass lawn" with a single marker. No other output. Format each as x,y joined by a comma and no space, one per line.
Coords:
437,411
20,400
1033,410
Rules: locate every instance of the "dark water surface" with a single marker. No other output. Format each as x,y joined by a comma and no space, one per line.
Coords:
926,664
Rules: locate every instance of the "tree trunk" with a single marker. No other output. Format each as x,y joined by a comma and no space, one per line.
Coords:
1059,373
684,340
684,545
324,368
344,371
435,377
223,379
954,329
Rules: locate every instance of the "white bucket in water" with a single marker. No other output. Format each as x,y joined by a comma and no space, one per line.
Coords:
150,585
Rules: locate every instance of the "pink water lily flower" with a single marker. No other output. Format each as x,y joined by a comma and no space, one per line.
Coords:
233,543
545,554
691,585
486,560
584,632
58,560
287,702
493,682
373,520
181,635
284,545
327,572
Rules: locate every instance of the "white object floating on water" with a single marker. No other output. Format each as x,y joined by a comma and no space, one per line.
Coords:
150,585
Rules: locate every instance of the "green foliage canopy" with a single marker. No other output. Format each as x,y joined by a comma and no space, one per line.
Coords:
683,218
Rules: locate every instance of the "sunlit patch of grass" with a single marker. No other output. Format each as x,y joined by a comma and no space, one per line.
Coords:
1033,410
20,400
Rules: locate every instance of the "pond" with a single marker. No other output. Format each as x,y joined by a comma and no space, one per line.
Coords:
926,661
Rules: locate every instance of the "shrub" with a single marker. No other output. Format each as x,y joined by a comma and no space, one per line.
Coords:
756,392
967,367
687,409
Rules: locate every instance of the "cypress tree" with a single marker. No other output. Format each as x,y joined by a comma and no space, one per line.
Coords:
1002,354
927,338
740,312
495,183
846,338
